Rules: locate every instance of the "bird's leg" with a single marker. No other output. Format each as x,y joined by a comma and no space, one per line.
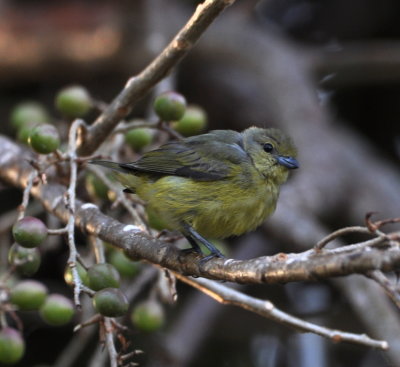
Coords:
193,236
195,247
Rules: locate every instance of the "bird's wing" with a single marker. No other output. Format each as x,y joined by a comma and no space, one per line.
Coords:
213,156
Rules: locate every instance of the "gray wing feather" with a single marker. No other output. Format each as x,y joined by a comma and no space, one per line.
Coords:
205,157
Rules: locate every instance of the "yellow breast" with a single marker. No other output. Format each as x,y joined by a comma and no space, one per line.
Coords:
216,209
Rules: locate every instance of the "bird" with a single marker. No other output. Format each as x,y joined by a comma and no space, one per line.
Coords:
215,185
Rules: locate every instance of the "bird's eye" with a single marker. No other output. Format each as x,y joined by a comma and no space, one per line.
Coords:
268,147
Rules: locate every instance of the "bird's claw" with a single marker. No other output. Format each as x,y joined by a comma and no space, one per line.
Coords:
191,250
211,256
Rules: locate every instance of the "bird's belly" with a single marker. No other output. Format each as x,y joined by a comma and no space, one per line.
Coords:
220,220
214,209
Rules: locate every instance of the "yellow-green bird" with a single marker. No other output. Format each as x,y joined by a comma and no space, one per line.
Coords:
220,184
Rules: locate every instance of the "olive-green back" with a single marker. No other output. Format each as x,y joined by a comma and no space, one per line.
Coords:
206,157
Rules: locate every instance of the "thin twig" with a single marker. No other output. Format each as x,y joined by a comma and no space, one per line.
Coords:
163,125
98,249
57,231
93,320
134,124
112,352
90,292
106,325
374,227
226,295
120,196
138,86
71,192
379,240
390,289
26,193
340,232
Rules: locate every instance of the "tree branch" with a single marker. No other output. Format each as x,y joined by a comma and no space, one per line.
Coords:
138,86
226,295
281,268
389,287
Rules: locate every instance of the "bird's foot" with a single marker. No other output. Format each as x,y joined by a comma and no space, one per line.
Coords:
214,254
191,250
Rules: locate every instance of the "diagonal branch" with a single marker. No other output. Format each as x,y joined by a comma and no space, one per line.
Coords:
226,295
389,287
138,86
306,266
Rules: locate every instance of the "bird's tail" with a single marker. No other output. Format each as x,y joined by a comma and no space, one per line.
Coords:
124,176
112,165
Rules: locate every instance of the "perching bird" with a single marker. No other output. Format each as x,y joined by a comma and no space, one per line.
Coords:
220,184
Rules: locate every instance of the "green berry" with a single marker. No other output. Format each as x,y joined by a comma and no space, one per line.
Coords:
29,232
57,310
148,316
139,138
125,266
193,122
170,106
27,113
44,139
103,276
28,295
12,346
25,260
110,302
81,272
74,101
25,131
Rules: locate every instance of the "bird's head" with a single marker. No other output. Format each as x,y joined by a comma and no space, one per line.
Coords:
272,152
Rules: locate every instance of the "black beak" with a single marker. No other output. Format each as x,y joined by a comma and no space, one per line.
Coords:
288,162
